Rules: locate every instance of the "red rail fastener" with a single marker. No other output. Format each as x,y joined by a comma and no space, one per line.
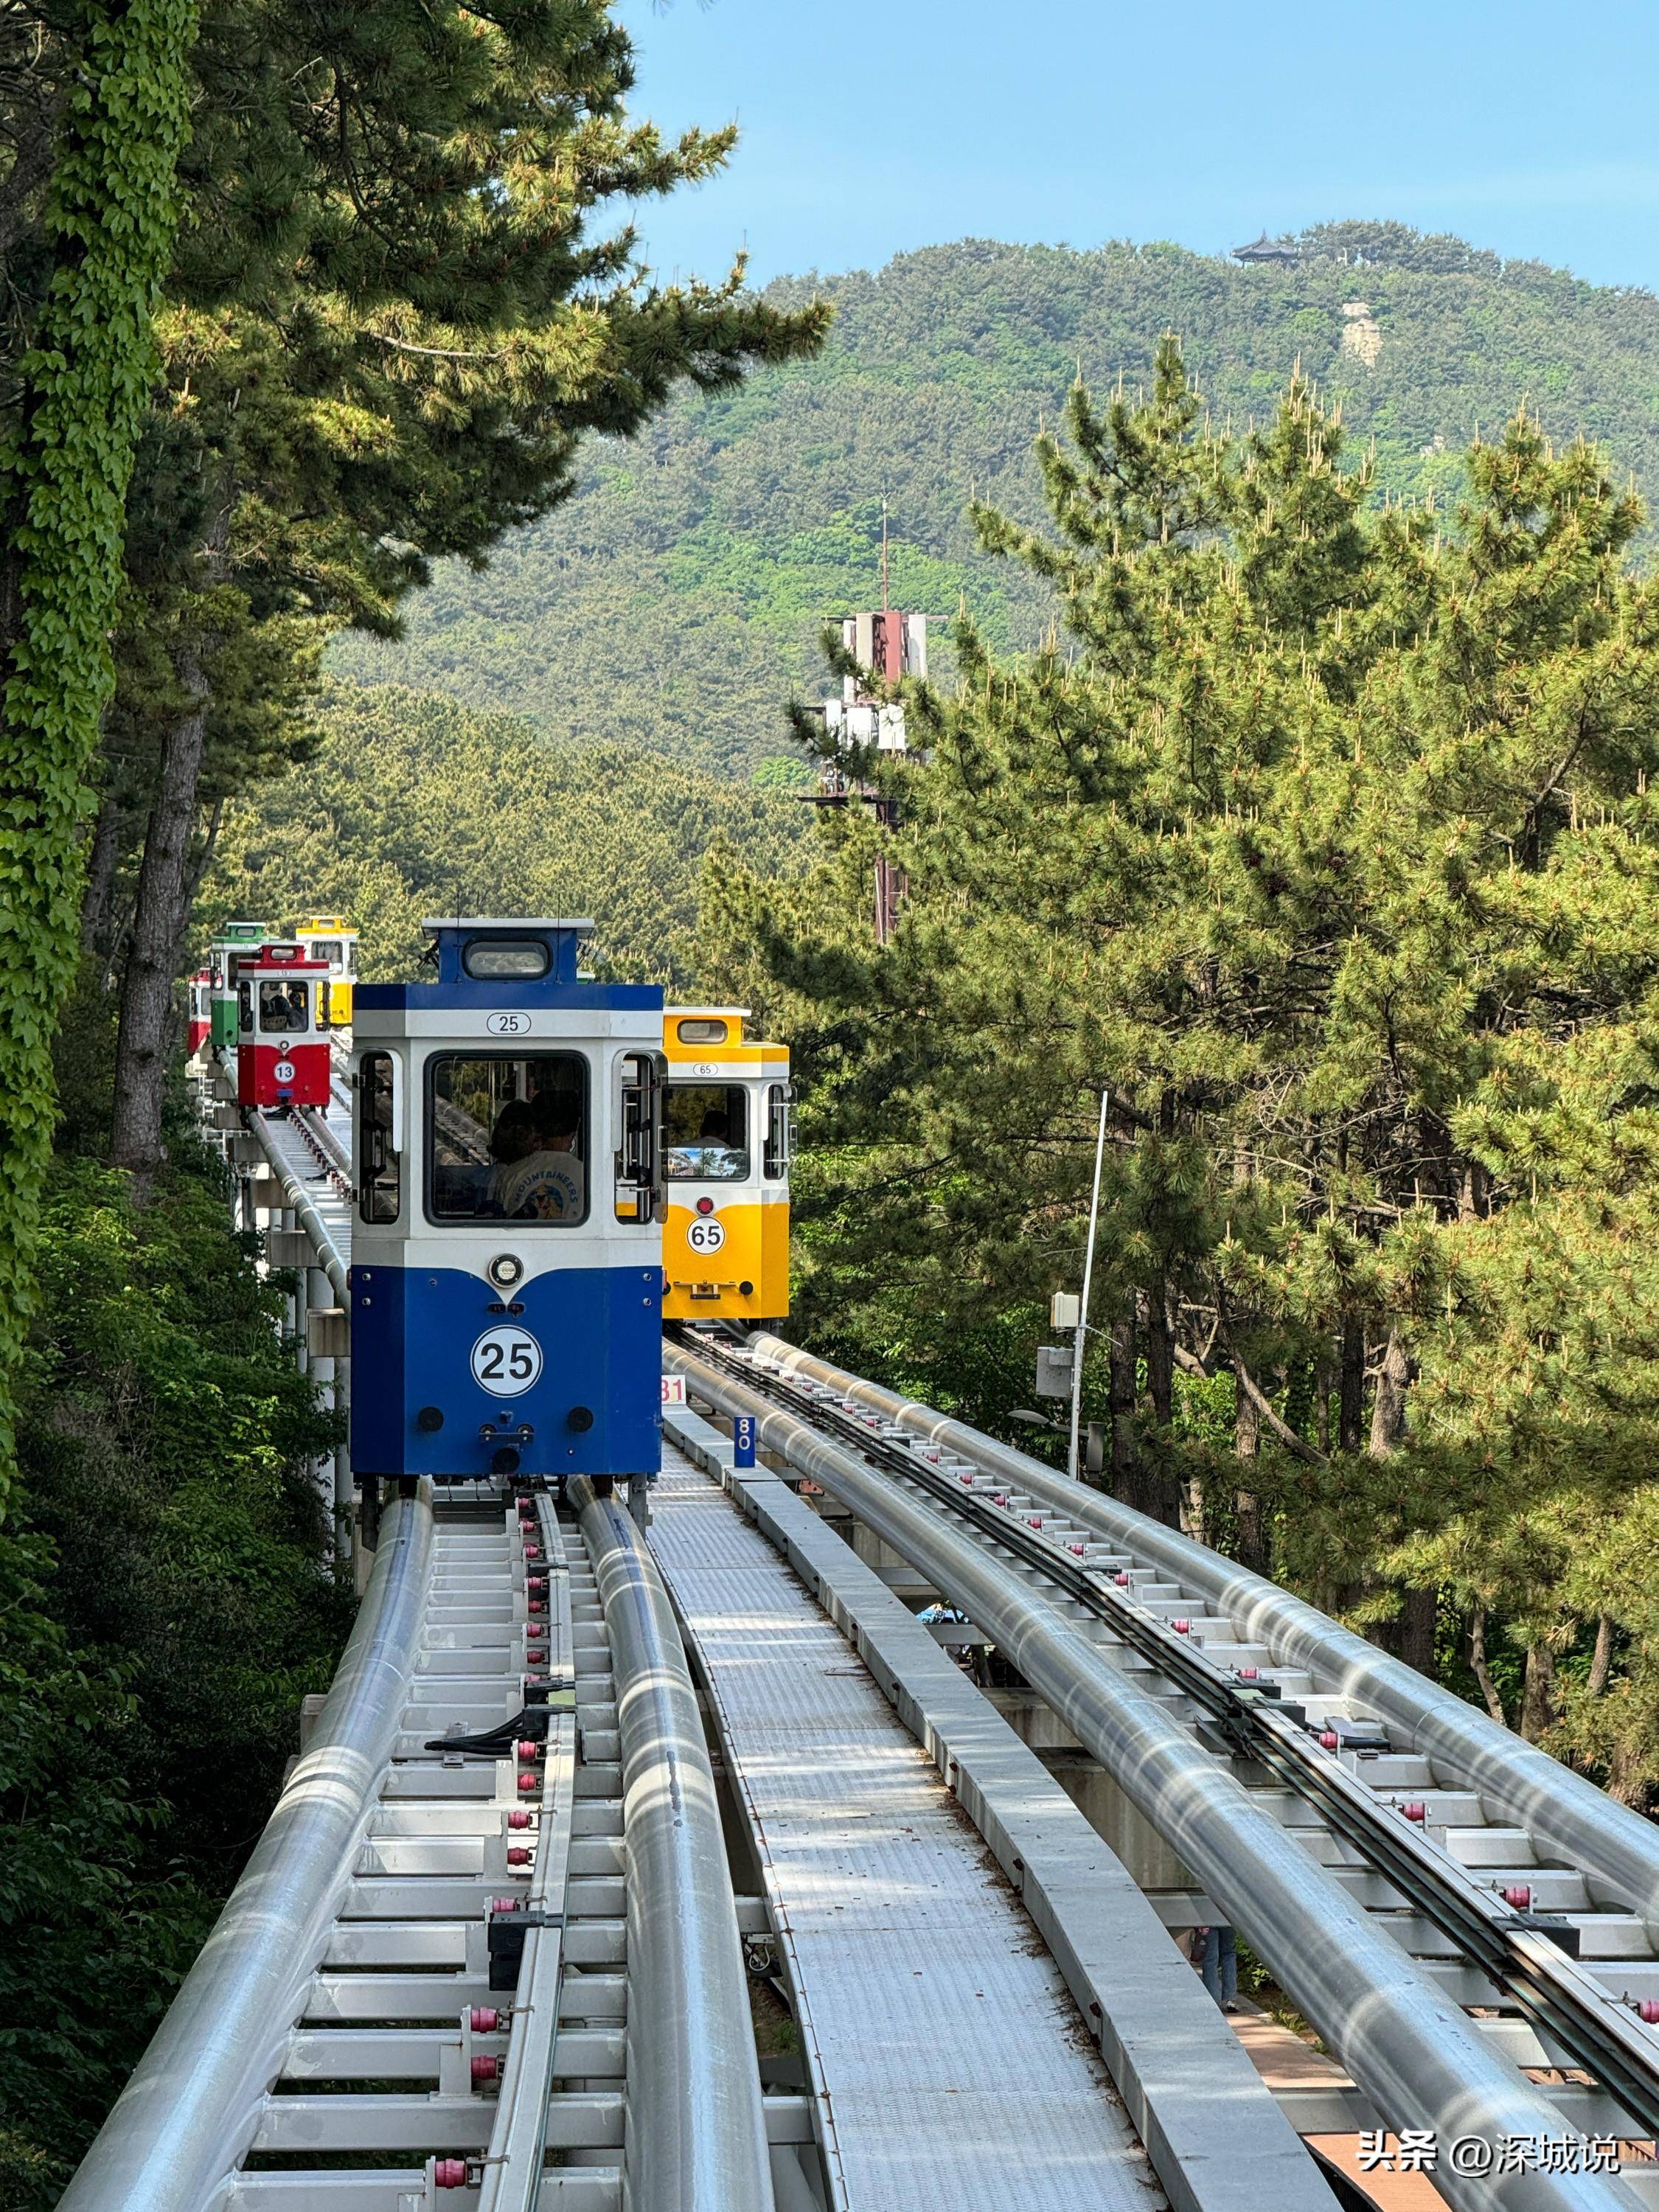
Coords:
1180,1627
518,1855
485,2070
1648,2011
1518,1895
528,1750
529,1783
1076,1550
1248,1674
449,2173
1417,1810
518,1818
1330,1740
1122,1580
484,2020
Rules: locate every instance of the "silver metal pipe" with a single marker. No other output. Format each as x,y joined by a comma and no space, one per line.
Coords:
694,2137
1421,2060
188,2113
328,1259
1616,1847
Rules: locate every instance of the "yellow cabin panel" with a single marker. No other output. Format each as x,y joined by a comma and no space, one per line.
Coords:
730,1262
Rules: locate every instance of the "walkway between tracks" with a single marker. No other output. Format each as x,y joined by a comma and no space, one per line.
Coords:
951,2063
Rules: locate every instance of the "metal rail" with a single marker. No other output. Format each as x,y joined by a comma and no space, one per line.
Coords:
699,2145
1571,1815
513,2170
187,2113
1507,1944
329,1258
1421,2061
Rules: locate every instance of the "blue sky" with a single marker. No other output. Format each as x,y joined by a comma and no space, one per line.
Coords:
871,126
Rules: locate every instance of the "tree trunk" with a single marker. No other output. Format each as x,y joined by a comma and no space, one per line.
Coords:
1160,1354
1418,1625
162,913
1388,1404
1602,1657
1351,1386
98,902
1247,1445
1481,1670
1121,1406
1414,1638
1538,1692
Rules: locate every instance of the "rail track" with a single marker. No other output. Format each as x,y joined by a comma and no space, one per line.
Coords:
1441,1941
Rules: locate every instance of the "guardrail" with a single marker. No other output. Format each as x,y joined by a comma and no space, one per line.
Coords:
188,2111
1571,1815
696,2139
1422,2062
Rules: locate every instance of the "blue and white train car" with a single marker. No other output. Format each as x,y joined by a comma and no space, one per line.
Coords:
506,1275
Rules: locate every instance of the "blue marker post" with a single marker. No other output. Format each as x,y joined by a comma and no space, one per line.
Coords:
743,1440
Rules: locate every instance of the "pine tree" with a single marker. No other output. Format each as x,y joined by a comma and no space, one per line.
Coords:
390,328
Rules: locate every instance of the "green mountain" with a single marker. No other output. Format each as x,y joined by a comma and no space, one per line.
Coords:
416,805
676,601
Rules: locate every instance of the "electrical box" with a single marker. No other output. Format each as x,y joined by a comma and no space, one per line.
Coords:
1054,1371
1065,1309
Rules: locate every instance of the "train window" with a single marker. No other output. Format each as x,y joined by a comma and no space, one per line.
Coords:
507,1137
779,1132
326,948
505,959
284,1007
702,1030
705,1129
244,1008
379,1169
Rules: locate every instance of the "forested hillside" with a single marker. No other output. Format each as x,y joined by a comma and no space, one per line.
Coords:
414,804
677,599
1316,864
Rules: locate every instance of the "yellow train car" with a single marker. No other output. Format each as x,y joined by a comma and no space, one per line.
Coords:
727,1141
329,937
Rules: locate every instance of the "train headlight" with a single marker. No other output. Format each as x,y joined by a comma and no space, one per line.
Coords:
505,1269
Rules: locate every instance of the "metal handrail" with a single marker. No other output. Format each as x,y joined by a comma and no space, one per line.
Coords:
328,1256
1582,1824
695,2131
1418,2057
191,2106
1591,2026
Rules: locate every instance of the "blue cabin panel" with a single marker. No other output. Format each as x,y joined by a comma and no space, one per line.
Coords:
578,1366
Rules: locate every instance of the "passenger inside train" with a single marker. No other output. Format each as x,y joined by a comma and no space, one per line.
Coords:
707,1131
509,1138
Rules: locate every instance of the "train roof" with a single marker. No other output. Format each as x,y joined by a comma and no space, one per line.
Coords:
514,925
467,977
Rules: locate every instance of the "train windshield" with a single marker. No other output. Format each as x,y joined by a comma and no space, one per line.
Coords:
326,948
706,1130
284,1007
508,1137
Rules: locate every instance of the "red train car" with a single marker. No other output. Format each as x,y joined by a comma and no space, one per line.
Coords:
283,1048
200,1020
